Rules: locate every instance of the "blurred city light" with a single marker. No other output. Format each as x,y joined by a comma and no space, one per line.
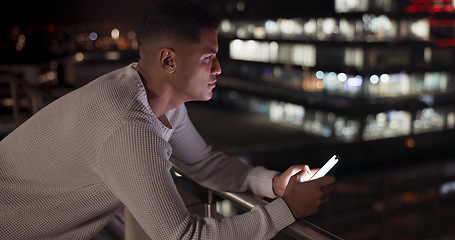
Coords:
93,36
115,33
79,57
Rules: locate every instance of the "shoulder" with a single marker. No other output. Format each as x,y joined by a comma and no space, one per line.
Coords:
177,115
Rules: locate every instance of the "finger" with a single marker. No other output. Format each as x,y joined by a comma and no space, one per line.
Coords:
292,181
313,171
305,174
295,169
306,168
325,198
326,180
327,189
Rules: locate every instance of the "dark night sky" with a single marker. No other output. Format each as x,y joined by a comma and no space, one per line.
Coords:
68,17
71,12
84,16
128,13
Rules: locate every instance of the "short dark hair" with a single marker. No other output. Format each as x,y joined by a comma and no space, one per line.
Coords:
175,20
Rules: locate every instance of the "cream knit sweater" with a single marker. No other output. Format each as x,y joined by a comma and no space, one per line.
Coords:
66,171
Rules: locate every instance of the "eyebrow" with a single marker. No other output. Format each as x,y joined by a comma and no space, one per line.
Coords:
211,52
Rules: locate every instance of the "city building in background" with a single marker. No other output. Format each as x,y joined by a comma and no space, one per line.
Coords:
369,51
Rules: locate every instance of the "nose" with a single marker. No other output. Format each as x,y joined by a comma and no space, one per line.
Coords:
216,67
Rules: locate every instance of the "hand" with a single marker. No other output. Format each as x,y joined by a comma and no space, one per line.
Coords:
304,198
280,182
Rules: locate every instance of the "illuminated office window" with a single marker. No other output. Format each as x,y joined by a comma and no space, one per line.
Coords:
384,5
429,82
227,27
353,57
451,119
436,81
383,28
259,107
251,50
420,29
304,55
290,27
331,83
389,85
314,123
271,27
309,27
286,113
387,124
325,28
347,29
429,120
344,6
346,129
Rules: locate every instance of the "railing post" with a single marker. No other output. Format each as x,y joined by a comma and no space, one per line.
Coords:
15,101
210,206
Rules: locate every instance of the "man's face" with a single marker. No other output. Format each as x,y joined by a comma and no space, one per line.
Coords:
197,67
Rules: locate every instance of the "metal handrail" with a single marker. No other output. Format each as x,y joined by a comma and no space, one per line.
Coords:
300,229
15,81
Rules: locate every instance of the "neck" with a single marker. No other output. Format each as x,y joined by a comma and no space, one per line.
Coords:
159,94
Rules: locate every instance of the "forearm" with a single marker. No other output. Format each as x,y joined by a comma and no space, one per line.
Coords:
146,188
216,171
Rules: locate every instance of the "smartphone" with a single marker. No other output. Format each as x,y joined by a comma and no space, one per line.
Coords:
326,168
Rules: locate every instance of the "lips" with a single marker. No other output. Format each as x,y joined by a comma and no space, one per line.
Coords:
212,82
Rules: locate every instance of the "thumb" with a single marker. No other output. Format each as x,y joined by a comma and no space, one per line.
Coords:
304,175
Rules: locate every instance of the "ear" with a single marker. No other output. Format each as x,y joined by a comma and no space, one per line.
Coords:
167,59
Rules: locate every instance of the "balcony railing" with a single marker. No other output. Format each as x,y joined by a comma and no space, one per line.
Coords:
300,229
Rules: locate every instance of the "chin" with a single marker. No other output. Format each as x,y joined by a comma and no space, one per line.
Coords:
206,98
201,99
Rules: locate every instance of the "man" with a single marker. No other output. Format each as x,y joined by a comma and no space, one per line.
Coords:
66,171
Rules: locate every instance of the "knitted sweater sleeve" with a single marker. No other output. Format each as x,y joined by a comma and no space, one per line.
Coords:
134,164
214,169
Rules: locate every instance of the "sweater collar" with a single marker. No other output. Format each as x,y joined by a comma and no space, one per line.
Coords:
158,126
